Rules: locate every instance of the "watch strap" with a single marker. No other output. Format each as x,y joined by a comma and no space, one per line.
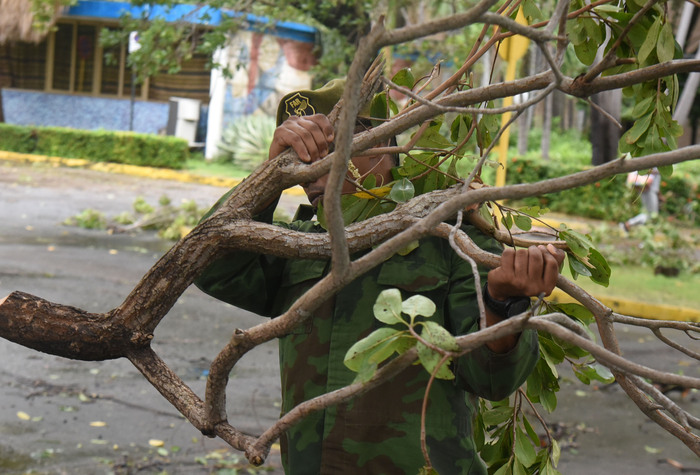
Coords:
505,308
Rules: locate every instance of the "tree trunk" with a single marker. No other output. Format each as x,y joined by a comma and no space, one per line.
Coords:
525,120
546,127
605,134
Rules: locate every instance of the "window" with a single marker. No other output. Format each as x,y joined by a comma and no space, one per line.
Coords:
71,60
23,65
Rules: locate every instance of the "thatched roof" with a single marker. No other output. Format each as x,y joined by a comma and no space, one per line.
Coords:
19,21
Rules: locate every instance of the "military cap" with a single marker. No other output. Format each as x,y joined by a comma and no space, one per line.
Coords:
313,101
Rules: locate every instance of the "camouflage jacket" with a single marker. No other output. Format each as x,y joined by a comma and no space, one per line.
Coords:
378,432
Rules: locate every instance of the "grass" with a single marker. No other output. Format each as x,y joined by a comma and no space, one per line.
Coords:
200,166
641,285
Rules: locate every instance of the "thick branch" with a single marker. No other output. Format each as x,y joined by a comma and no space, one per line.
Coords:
65,331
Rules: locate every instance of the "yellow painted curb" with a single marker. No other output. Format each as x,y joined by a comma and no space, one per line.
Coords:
637,309
133,170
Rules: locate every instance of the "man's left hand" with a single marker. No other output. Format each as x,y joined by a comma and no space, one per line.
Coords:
526,272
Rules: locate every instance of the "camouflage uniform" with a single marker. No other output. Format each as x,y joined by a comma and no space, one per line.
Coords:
378,432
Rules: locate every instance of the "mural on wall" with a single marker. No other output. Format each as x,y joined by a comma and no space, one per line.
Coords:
264,68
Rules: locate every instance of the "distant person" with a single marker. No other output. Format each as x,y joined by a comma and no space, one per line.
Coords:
649,185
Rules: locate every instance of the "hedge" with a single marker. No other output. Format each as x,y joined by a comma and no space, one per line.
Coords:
609,199
97,146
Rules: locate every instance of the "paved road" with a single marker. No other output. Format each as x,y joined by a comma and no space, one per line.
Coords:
63,399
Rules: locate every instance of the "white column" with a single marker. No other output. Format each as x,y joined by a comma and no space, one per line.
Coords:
217,95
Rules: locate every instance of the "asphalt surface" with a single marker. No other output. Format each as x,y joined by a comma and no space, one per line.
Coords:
62,416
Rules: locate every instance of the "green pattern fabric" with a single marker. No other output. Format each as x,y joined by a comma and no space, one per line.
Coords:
378,432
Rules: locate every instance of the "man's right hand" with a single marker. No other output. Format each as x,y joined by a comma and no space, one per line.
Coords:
309,136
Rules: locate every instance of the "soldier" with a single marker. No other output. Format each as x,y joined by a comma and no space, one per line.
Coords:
379,432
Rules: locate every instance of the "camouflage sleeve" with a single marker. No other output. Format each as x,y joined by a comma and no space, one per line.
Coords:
244,279
482,372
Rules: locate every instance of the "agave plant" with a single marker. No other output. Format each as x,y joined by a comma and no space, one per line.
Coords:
247,141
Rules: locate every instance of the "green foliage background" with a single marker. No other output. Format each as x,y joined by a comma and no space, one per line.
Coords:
98,146
609,199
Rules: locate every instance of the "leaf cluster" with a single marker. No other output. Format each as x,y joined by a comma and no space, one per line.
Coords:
171,222
641,38
505,438
434,343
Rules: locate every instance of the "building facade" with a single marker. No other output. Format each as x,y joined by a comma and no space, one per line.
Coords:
70,80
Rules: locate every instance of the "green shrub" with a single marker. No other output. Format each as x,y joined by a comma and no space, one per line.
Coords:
609,199
247,141
97,146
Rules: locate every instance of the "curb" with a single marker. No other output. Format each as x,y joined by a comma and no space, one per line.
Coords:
133,170
620,305
636,309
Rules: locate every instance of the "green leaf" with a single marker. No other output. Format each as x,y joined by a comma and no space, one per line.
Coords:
554,350
638,129
368,346
418,305
575,31
402,190
518,468
531,431
485,213
577,267
505,469
523,222
430,360
370,181
378,108
666,171
577,311
524,451
387,307
666,46
556,452
600,271
439,336
432,138
548,399
404,78
534,211
531,11
366,371
549,470
460,128
550,360
644,106
577,242
593,30
597,372
507,220
497,416
649,45
410,247
586,51
352,207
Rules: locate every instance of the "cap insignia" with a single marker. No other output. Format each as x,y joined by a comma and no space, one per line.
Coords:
298,105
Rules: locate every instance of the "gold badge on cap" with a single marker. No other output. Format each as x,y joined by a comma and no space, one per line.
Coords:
298,105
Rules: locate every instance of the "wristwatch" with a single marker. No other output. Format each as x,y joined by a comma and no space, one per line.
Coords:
505,308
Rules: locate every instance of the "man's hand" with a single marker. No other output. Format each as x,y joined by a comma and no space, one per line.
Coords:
526,272
309,136
522,273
